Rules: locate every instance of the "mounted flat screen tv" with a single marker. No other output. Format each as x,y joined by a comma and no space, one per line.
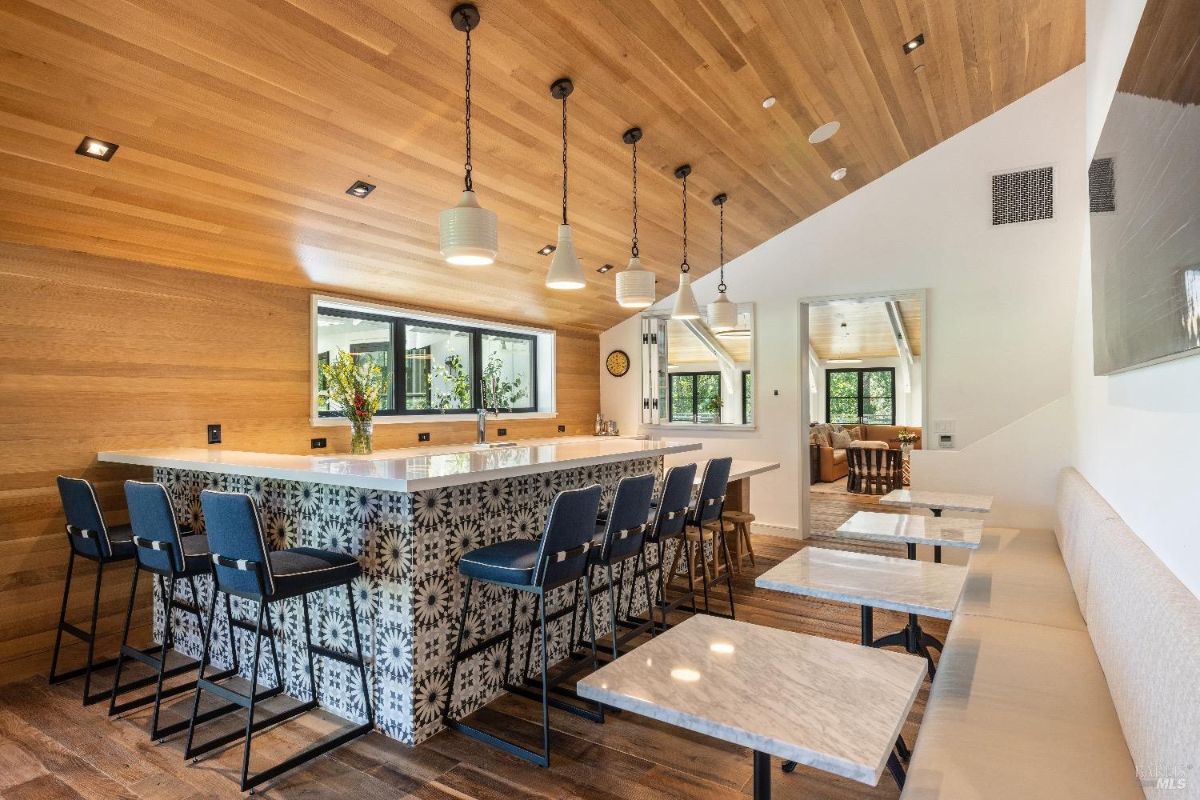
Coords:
1145,198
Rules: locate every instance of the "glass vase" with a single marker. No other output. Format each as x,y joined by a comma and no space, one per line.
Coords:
360,437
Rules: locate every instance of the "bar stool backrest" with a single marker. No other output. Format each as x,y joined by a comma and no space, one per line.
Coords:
235,539
570,528
712,490
85,524
674,502
155,531
627,518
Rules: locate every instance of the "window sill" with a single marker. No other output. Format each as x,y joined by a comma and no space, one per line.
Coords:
425,419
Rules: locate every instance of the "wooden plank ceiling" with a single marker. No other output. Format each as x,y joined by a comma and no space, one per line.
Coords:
861,329
241,124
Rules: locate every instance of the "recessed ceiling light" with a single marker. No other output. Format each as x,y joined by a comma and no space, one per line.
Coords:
547,250
914,43
95,148
824,133
360,189
603,268
768,101
838,173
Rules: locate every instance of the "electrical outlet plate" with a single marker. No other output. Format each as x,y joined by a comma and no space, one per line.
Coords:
214,434
423,436
318,443
502,431
562,428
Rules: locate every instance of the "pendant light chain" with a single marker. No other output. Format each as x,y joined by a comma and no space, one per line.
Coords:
721,287
635,237
685,267
467,167
564,126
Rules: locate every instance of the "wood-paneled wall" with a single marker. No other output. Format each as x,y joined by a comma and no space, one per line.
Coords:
101,354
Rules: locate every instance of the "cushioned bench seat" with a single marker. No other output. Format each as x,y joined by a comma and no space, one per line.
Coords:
1019,710
1020,576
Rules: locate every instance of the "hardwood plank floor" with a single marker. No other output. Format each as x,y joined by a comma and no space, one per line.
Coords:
52,748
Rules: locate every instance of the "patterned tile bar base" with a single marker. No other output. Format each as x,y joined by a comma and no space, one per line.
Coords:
409,597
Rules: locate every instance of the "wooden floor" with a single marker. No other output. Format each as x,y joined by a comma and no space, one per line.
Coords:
51,748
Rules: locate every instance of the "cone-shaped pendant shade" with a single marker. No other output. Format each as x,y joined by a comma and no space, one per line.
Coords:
635,286
722,314
685,300
468,233
565,270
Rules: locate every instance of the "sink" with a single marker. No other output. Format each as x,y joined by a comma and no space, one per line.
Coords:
495,445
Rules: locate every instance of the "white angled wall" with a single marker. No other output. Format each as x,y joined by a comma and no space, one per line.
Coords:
1137,433
1001,310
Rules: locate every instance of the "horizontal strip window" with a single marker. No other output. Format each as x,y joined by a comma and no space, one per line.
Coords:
436,365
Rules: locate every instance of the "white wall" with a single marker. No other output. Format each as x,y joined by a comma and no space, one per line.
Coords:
1000,309
1136,434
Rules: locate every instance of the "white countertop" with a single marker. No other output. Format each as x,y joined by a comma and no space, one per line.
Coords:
865,579
946,501
915,528
740,469
834,706
408,469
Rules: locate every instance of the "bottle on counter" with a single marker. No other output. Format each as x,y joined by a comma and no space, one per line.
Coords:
599,424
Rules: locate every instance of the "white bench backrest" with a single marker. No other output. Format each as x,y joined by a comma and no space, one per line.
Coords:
1145,626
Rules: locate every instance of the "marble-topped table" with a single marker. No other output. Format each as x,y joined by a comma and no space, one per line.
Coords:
937,502
872,581
829,705
912,530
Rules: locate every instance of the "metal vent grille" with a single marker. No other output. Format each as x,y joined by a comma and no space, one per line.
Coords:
1023,196
1102,186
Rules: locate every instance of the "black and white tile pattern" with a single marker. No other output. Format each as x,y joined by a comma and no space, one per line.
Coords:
409,597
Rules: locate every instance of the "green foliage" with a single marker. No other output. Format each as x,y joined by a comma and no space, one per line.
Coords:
354,388
497,392
453,373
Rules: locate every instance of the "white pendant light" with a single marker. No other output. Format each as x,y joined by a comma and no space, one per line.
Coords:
722,313
467,232
635,286
565,270
685,300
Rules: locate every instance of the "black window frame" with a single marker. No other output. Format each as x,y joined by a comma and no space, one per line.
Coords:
399,366
860,372
695,376
747,397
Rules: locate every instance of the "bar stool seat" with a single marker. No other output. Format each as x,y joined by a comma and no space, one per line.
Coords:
300,570
510,562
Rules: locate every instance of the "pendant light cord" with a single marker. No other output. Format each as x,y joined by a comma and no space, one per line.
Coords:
634,249
467,166
564,126
685,267
721,287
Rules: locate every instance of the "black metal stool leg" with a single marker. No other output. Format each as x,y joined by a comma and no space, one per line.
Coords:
512,634
204,654
167,643
258,630
91,645
62,617
545,680
728,571
112,701
312,668
462,624
362,662
612,611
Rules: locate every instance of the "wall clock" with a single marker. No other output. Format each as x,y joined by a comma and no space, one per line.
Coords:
617,363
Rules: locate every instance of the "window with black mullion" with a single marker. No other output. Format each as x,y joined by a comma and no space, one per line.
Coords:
694,397
865,395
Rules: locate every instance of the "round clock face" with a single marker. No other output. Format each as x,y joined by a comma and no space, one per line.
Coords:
617,363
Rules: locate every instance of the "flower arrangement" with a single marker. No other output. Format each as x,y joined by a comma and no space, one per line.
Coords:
907,437
356,389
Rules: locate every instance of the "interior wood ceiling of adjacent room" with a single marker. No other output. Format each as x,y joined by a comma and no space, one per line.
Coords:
868,333
241,125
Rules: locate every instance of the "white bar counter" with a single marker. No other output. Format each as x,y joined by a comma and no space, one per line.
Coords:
409,469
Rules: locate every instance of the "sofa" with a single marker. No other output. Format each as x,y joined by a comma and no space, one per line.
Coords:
833,464
1071,670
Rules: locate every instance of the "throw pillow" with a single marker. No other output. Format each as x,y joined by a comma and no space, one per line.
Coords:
840,440
856,433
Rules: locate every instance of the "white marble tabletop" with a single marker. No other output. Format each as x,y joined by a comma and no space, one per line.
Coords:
947,501
408,469
941,531
830,705
865,579
740,469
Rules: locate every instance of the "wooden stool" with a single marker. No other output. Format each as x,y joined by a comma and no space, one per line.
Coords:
711,567
740,544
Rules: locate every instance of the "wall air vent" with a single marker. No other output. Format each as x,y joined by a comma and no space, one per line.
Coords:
1102,186
1023,196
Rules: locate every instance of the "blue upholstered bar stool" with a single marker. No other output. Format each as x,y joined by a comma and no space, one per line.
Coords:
709,504
169,557
668,524
90,538
243,566
559,558
619,539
